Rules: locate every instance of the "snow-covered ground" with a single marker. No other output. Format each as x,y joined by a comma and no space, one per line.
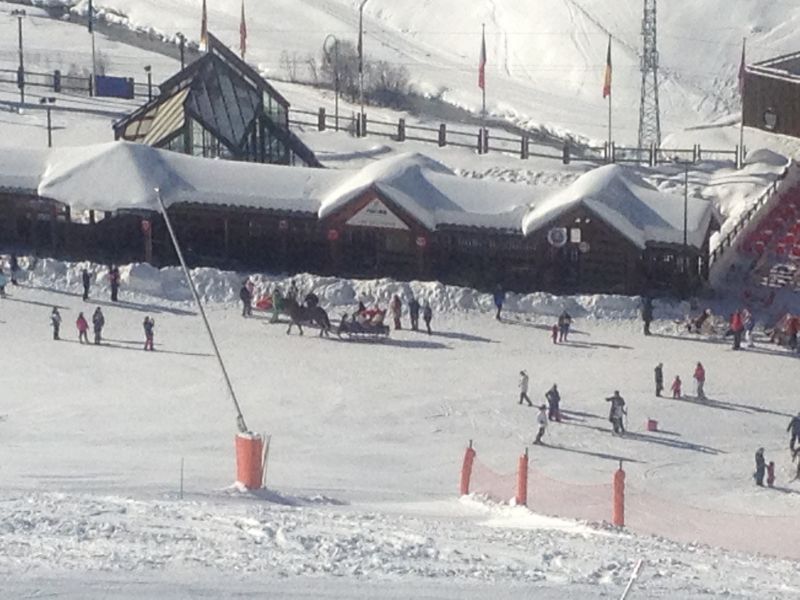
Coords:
367,442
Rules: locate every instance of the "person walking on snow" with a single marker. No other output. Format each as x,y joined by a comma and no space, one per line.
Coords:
396,307
700,380
13,264
499,299
617,412
247,299
3,282
83,327
148,324
564,323
554,334
523,388
113,279
98,321
553,404
413,313
647,314
794,430
760,467
659,375
427,315
737,327
749,325
86,279
771,474
676,387
55,321
541,419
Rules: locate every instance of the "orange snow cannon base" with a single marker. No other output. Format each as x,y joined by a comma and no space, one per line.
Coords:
249,466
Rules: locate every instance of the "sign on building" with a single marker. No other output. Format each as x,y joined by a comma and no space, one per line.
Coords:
376,214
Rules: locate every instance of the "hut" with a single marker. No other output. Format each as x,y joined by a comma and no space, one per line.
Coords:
771,95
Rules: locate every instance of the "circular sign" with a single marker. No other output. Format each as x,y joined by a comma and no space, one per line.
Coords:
557,236
584,247
283,224
333,235
422,241
145,226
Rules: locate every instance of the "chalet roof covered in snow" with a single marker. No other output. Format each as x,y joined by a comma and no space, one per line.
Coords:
630,205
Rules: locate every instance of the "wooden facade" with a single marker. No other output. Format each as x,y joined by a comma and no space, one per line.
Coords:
772,95
370,236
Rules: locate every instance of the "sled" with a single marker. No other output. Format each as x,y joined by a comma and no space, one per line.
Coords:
353,330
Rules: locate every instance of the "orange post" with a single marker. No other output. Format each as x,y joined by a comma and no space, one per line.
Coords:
249,468
466,469
618,512
522,480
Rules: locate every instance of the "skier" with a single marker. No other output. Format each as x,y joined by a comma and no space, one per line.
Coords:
794,429
564,322
499,300
98,321
3,282
659,375
700,380
277,304
760,467
397,310
148,324
771,474
676,387
554,334
553,403
737,327
247,298
55,321
86,279
617,412
523,388
427,315
83,327
113,279
413,313
541,419
13,264
647,314
749,326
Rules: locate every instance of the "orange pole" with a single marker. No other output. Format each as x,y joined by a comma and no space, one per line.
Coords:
618,512
466,469
522,480
249,467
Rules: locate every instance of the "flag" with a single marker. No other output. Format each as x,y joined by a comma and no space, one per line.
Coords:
607,77
482,62
742,69
204,28
361,42
91,17
243,34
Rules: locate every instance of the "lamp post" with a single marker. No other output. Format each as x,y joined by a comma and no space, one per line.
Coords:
148,70
19,13
48,102
325,48
361,64
182,47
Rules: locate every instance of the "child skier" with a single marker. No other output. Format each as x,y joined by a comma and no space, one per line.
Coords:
676,387
541,419
83,327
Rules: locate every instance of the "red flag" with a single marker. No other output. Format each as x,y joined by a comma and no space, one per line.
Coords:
742,69
243,34
607,78
204,28
482,62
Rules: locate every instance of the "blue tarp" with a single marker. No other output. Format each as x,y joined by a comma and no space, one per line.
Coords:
114,87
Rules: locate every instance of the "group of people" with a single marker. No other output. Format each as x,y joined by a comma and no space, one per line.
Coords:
741,324
414,309
560,331
98,323
13,267
699,377
547,412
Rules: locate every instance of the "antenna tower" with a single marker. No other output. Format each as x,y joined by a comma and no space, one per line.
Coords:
649,116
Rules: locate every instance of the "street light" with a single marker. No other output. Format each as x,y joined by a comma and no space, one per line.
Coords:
361,64
327,51
48,102
182,46
19,13
148,69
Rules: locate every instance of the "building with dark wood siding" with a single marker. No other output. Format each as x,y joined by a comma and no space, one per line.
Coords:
772,95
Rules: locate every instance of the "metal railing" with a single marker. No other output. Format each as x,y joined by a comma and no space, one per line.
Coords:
58,82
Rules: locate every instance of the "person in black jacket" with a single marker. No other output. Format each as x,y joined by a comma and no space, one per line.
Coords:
13,264
553,402
659,375
247,298
86,279
794,429
647,314
413,313
427,315
761,466
98,321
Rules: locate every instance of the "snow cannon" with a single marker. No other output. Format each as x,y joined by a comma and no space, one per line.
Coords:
652,425
250,460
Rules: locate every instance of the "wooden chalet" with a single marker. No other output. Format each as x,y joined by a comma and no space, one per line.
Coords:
772,95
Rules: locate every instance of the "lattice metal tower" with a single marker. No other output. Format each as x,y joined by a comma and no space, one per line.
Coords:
649,116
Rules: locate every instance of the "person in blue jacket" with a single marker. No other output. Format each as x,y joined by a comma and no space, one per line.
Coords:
499,299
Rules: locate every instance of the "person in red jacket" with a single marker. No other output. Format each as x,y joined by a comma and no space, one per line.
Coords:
700,380
737,327
83,327
676,387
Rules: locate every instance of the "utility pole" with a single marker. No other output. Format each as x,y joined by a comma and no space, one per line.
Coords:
335,60
182,47
148,69
48,104
361,65
649,115
21,69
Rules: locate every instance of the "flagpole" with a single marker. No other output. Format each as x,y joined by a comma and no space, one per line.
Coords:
741,93
94,55
483,89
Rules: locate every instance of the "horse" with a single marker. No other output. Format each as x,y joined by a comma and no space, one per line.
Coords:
299,315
